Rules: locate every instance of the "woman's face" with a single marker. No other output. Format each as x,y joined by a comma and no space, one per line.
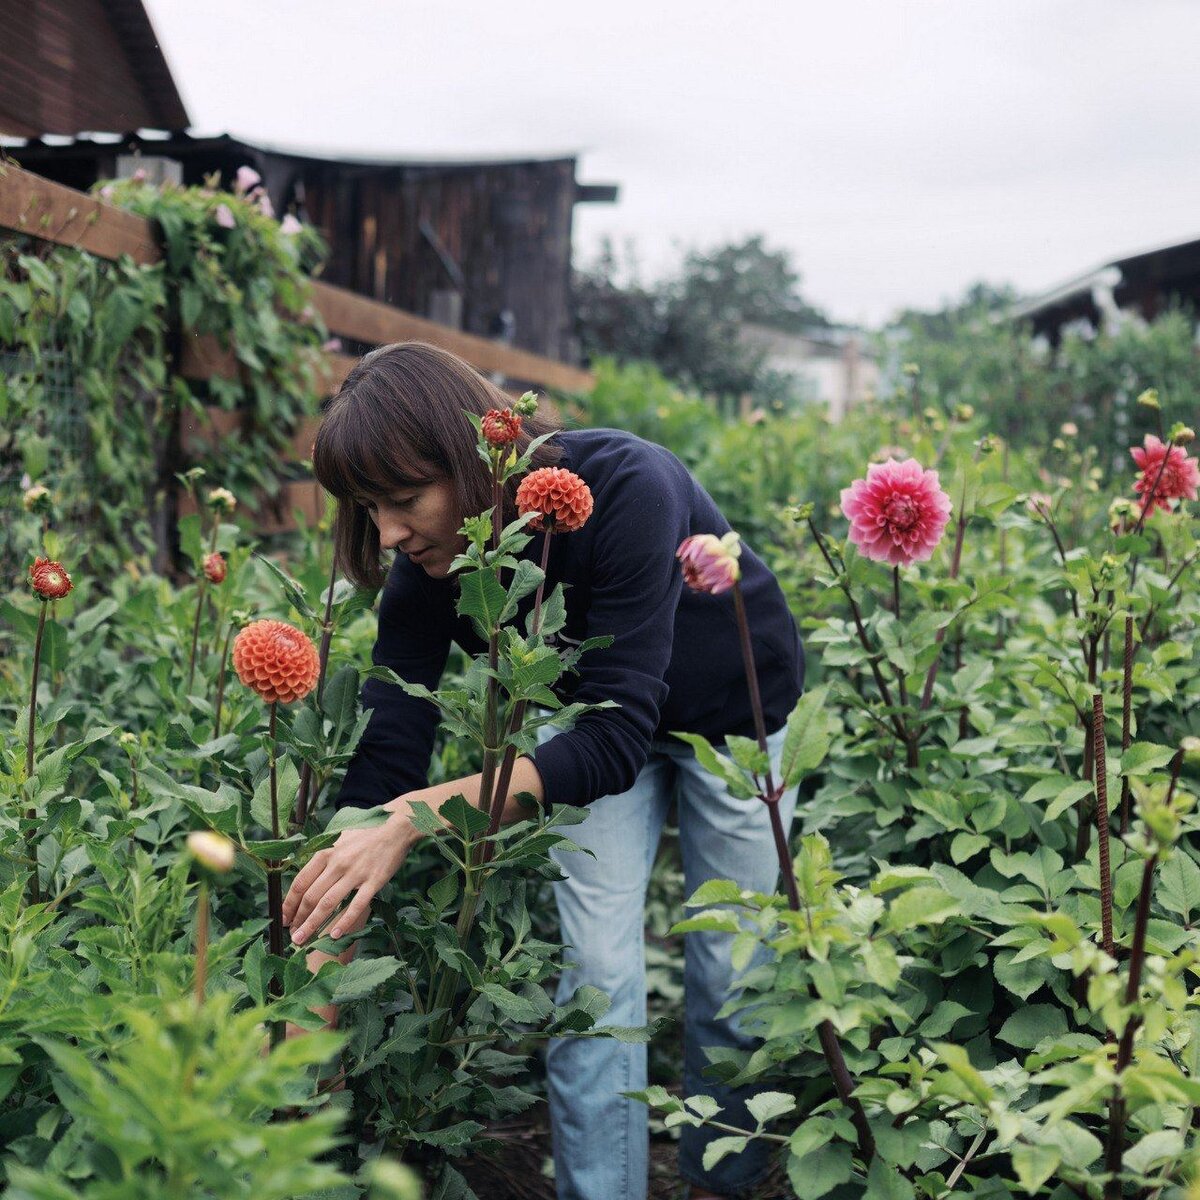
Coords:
422,522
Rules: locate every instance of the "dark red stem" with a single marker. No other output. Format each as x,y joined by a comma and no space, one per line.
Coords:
35,887
1101,781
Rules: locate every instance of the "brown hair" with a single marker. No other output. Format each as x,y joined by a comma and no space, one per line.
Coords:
399,420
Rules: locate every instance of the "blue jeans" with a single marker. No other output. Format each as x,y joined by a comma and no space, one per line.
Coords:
601,1140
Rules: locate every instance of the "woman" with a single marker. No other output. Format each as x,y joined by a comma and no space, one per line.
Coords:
399,454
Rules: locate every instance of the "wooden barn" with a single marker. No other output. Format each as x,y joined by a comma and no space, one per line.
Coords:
480,246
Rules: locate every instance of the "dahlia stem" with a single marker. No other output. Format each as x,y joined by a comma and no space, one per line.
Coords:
873,656
195,633
306,771
940,637
201,941
911,757
1099,755
835,1060
31,814
274,881
500,798
1126,715
221,680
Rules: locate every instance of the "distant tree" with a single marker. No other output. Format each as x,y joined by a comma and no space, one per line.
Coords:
689,324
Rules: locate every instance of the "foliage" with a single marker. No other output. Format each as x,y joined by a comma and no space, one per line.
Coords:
90,393
689,325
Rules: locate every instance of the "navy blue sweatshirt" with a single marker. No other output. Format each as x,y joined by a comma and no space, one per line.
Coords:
675,661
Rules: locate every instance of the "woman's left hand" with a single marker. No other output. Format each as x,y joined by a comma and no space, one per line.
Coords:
361,861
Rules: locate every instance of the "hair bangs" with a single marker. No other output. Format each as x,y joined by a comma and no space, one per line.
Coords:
351,459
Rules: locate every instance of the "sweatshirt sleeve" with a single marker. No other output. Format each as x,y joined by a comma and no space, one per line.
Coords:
635,591
414,640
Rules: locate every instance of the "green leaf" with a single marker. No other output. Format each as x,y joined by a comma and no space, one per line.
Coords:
736,780
884,1182
1034,1165
524,581
482,598
715,891
339,700
967,845
1179,885
818,1173
808,737
361,977
1158,1147
291,589
1029,1026
287,784
766,1106
722,1147
921,906
746,753
463,816
514,1007
1142,758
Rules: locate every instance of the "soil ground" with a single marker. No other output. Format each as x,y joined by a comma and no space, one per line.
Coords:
517,1171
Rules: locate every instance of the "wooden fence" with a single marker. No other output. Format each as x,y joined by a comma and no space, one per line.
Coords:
40,208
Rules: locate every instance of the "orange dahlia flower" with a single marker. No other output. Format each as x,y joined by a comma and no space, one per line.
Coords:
557,494
49,579
276,660
501,426
215,567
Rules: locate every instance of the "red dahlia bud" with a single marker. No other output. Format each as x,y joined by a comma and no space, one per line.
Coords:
49,579
276,660
215,567
501,426
557,494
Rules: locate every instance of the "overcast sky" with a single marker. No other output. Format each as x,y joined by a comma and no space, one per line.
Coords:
900,149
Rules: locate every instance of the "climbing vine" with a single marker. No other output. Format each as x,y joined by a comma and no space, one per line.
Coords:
92,402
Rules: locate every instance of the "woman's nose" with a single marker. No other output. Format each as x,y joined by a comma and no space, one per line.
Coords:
393,531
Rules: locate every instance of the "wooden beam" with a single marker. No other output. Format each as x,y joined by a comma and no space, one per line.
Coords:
372,321
36,206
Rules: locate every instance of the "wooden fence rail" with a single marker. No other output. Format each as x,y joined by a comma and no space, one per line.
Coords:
41,208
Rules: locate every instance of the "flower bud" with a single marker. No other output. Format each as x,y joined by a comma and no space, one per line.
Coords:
222,500
213,850
964,412
911,369
501,426
128,739
527,405
1181,434
49,579
36,499
930,413
1191,750
1149,398
800,512
215,567
989,444
710,563
1059,444
1069,429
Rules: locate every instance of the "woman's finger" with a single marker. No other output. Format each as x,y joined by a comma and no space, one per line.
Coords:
355,914
314,894
304,877
325,908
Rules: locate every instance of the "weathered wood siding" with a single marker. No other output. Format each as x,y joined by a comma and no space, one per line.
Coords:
70,65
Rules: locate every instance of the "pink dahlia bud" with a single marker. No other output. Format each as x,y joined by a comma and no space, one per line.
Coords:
225,217
710,563
221,500
289,226
49,579
332,345
1179,478
1038,504
246,178
213,850
558,495
215,567
898,513
501,426
276,660
36,499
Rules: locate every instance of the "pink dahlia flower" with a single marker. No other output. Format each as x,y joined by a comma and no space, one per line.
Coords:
246,179
898,513
1180,476
225,217
710,563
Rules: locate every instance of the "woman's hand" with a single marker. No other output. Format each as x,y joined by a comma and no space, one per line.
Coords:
361,860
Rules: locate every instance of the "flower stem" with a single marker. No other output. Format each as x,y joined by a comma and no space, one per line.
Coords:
221,681
940,637
500,798
306,771
195,634
201,941
1126,715
835,1060
35,887
1101,781
274,880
